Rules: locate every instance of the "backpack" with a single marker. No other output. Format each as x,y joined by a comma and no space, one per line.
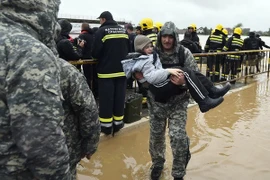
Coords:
181,56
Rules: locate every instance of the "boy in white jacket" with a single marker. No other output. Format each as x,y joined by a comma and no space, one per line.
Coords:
158,78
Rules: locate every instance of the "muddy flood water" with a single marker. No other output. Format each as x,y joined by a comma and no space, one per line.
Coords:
231,141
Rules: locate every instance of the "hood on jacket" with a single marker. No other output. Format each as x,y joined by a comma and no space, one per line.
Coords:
36,17
168,28
130,61
66,27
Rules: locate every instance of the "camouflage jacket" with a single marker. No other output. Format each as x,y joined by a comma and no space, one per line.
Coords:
32,143
81,124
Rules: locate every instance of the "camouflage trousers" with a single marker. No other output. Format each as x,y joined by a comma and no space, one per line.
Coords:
25,175
175,111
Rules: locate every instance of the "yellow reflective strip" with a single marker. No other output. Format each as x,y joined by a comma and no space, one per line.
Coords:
216,39
215,36
114,36
236,39
151,36
106,120
237,43
233,56
111,75
118,118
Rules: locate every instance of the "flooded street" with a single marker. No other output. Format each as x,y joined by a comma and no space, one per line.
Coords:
231,141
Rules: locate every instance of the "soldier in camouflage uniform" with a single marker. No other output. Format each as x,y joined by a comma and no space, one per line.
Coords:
175,109
81,124
31,113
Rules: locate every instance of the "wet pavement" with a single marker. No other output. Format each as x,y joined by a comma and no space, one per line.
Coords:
231,141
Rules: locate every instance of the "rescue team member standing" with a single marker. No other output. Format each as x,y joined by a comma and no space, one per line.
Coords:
215,43
233,61
147,28
111,45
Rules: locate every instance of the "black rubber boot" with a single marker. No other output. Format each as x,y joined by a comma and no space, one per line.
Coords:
117,127
215,92
209,103
156,173
106,130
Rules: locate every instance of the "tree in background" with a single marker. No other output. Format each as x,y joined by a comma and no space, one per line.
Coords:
238,25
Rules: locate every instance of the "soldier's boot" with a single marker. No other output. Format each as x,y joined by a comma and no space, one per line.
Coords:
156,173
215,92
208,103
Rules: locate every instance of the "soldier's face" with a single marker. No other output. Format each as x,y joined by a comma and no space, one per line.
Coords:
167,42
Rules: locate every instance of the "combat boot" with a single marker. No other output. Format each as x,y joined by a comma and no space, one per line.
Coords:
156,173
215,92
208,103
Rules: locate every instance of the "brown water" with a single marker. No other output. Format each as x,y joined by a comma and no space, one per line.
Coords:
231,141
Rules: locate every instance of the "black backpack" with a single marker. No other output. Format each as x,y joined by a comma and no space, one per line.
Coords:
181,56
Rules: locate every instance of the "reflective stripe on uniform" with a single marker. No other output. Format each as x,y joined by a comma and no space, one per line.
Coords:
216,39
233,57
117,122
118,118
153,38
225,48
107,125
105,120
111,75
114,36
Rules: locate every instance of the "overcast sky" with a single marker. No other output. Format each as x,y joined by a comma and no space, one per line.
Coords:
251,13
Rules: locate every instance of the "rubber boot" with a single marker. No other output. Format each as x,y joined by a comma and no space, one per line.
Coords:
156,173
215,92
208,103
106,130
117,127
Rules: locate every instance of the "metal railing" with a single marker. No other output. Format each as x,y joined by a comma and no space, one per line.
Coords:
251,62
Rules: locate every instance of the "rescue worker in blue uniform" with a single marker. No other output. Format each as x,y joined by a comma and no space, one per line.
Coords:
111,45
214,43
233,61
